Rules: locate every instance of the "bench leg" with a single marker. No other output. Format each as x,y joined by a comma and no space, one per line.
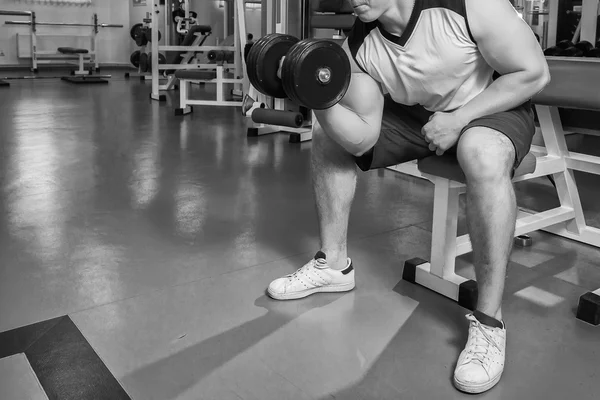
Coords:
183,98
439,274
588,309
81,70
220,97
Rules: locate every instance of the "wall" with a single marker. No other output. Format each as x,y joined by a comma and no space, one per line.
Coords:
112,48
114,44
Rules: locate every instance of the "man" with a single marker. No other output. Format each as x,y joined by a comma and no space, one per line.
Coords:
248,46
436,59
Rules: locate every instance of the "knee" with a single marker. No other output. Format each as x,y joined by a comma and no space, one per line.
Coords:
485,155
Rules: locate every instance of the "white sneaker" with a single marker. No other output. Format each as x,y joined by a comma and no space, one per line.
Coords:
481,363
315,276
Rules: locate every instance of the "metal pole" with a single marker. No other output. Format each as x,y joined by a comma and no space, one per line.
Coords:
589,18
33,29
62,24
36,77
6,12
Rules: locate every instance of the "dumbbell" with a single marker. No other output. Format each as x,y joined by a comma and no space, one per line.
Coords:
584,46
556,51
595,52
314,73
564,44
572,52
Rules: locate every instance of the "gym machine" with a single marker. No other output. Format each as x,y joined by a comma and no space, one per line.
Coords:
565,28
271,112
63,53
200,72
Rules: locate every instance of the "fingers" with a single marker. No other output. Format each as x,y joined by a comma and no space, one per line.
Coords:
439,150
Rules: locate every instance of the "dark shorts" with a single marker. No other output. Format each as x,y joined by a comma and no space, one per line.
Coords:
401,139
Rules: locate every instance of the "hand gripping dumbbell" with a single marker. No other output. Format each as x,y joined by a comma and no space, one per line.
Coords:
314,73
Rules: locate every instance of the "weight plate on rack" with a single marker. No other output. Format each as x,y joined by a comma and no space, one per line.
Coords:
316,74
263,63
135,58
136,32
144,63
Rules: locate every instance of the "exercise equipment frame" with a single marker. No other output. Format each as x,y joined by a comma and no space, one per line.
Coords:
33,23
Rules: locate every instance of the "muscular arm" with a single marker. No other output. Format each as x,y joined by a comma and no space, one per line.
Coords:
509,46
355,121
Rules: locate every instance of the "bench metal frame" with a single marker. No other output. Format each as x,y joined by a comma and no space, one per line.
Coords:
185,102
554,159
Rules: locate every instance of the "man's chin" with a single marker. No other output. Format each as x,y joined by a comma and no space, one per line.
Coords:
365,18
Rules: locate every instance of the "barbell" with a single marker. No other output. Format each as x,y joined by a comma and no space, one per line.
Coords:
314,73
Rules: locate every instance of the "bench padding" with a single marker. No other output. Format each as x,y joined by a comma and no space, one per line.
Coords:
446,166
72,50
196,74
574,84
191,35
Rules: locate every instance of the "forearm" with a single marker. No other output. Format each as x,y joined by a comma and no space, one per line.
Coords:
505,93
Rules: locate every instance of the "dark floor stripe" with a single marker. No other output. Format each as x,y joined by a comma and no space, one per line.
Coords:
63,361
18,340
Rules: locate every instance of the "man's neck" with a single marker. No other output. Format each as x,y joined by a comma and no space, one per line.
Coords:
396,18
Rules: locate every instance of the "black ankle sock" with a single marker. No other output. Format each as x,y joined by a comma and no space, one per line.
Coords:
487,320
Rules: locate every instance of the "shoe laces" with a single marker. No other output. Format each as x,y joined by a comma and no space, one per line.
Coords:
480,342
303,269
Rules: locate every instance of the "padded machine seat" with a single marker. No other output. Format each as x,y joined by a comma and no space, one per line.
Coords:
72,50
190,38
195,74
446,166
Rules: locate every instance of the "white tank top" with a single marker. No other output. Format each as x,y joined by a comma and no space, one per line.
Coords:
434,63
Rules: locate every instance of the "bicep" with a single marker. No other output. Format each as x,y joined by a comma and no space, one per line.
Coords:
364,95
504,39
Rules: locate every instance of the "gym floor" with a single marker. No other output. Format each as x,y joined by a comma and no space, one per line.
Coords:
145,241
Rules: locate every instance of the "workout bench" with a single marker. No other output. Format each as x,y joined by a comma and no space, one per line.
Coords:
217,77
82,76
574,85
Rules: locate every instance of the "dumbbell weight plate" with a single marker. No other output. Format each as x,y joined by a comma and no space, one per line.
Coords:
287,68
144,62
572,52
161,60
136,31
135,58
553,51
564,44
584,46
148,33
316,74
251,63
593,53
263,63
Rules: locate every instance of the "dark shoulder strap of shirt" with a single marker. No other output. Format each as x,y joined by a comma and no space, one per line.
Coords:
356,38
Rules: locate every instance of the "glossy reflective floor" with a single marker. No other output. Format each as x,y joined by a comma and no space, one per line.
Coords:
158,235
